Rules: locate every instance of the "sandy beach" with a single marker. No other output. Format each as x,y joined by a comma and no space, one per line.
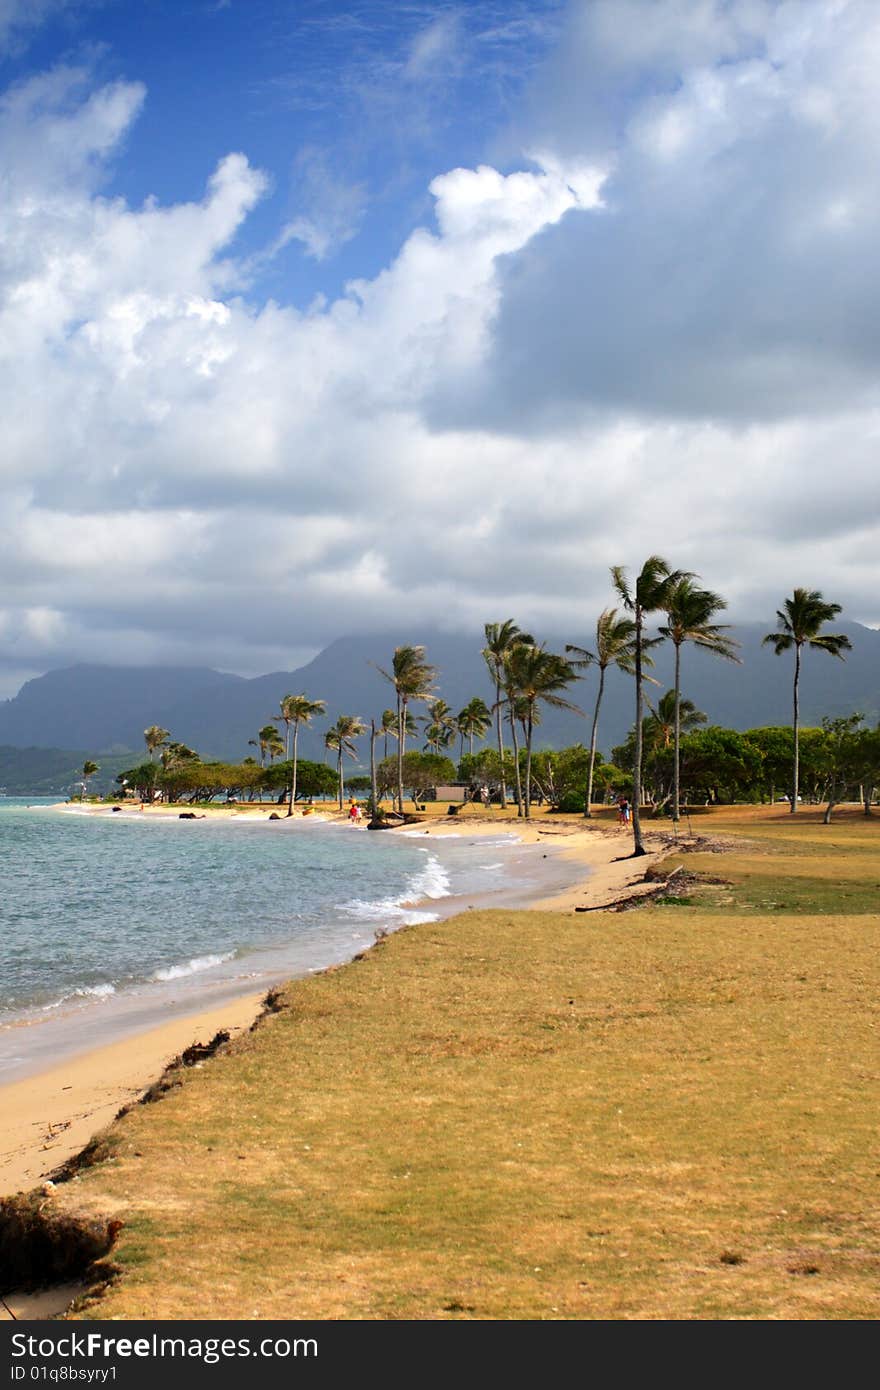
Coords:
48,1117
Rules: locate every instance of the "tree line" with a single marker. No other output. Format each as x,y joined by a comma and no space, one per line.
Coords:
526,677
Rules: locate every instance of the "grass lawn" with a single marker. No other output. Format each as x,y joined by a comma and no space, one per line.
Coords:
664,1113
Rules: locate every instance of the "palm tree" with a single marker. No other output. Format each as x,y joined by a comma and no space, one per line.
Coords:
285,718
799,621
689,614
670,711
500,637
650,593
388,726
274,746
89,770
154,738
296,710
473,722
439,726
267,739
341,739
413,679
615,646
532,676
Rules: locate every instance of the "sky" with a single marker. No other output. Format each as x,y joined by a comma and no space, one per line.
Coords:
320,318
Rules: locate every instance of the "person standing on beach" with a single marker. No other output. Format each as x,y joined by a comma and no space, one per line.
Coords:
622,811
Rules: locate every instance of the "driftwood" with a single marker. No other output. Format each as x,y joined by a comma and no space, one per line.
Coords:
636,899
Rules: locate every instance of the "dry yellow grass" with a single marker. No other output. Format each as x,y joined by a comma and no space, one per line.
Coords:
668,1113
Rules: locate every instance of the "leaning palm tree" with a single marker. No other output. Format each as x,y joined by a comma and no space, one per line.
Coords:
689,613
154,737
500,637
89,770
615,646
799,621
413,679
649,593
341,740
535,676
297,709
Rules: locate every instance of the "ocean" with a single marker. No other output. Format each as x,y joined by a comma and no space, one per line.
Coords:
112,922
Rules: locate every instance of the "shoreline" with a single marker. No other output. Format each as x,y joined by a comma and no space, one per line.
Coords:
49,1115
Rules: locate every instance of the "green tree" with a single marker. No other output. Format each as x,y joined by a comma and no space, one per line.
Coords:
413,679
421,772
535,676
88,770
388,726
615,646
799,624
439,726
689,613
154,738
341,738
269,742
649,595
141,780
473,722
841,757
671,716
500,637
297,710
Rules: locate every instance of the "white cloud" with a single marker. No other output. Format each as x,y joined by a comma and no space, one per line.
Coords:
17,17
663,341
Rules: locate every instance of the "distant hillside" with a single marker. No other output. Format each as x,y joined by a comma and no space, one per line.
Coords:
53,771
104,709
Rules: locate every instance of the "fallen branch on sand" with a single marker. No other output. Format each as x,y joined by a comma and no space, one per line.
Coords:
637,899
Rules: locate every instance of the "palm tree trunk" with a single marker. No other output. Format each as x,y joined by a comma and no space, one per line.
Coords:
339,775
796,727
293,772
374,797
589,801
638,845
676,813
529,727
500,739
519,795
401,725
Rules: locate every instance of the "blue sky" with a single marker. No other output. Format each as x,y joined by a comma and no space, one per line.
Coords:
320,318
350,108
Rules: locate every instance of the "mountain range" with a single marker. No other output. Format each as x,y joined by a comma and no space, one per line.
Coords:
105,709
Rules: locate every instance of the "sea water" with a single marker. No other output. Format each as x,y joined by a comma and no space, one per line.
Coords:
111,920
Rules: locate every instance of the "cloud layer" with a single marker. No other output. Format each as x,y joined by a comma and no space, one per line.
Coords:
660,333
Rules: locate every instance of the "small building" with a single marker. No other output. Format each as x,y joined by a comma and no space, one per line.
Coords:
451,793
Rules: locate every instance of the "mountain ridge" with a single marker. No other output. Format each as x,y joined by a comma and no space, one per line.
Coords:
106,708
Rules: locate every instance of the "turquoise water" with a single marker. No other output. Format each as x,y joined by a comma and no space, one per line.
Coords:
99,911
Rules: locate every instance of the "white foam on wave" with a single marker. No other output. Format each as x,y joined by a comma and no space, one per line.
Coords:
191,967
487,867
430,882
85,992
